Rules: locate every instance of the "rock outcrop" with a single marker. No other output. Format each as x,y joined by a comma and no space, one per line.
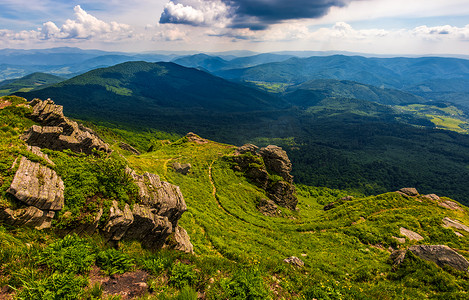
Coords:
277,162
57,132
153,219
127,147
450,205
295,261
37,185
183,169
452,223
441,255
411,192
411,235
30,216
194,138
269,168
268,208
180,240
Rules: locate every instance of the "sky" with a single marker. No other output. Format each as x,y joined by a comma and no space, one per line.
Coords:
366,26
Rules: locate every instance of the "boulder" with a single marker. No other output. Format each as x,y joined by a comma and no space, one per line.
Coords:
259,167
277,162
413,236
253,149
37,151
163,198
441,255
400,240
412,192
397,256
194,138
150,229
450,205
118,223
295,261
30,216
180,240
268,207
129,148
452,223
89,228
58,132
182,168
37,185
433,197
329,206
283,193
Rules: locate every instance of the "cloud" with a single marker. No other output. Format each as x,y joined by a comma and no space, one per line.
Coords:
195,12
84,26
442,32
251,14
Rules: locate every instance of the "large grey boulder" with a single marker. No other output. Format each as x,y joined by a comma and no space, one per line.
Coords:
119,221
259,165
441,255
411,192
58,132
30,216
182,168
37,185
411,235
150,229
180,241
452,223
163,198
277,162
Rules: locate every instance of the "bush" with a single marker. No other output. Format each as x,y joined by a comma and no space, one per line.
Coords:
113,261
155,265
182,275
58,286
71,254
245,284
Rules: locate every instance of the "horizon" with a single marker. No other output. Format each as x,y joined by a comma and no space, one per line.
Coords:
378,27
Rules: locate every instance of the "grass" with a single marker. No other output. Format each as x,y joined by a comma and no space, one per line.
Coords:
239,251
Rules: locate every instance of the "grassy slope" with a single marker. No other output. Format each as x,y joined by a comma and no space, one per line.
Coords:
344,248
28,83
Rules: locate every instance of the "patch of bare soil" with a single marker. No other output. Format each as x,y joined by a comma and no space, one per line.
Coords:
128,285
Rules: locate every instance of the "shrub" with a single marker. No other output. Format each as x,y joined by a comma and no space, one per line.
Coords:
246,283
182,275
71,254
155,265
58,286
113,261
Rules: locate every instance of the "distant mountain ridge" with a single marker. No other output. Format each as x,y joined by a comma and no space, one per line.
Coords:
27,83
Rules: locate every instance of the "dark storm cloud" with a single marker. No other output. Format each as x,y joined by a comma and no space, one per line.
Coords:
256,14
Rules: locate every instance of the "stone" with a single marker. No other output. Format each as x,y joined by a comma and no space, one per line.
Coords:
37,151
259,167
194,138
452,223
458,234
37,185
30,216
397,257
432,197
412,192
129,148
400,240
253,149
89,229
277,162
180,241
182,168
163,198
150,229
413,236
329,206
58,132
118,223
295,261
268,207
450,205
441,255
283,193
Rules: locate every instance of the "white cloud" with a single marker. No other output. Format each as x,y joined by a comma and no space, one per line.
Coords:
196,12
84,26
442,32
